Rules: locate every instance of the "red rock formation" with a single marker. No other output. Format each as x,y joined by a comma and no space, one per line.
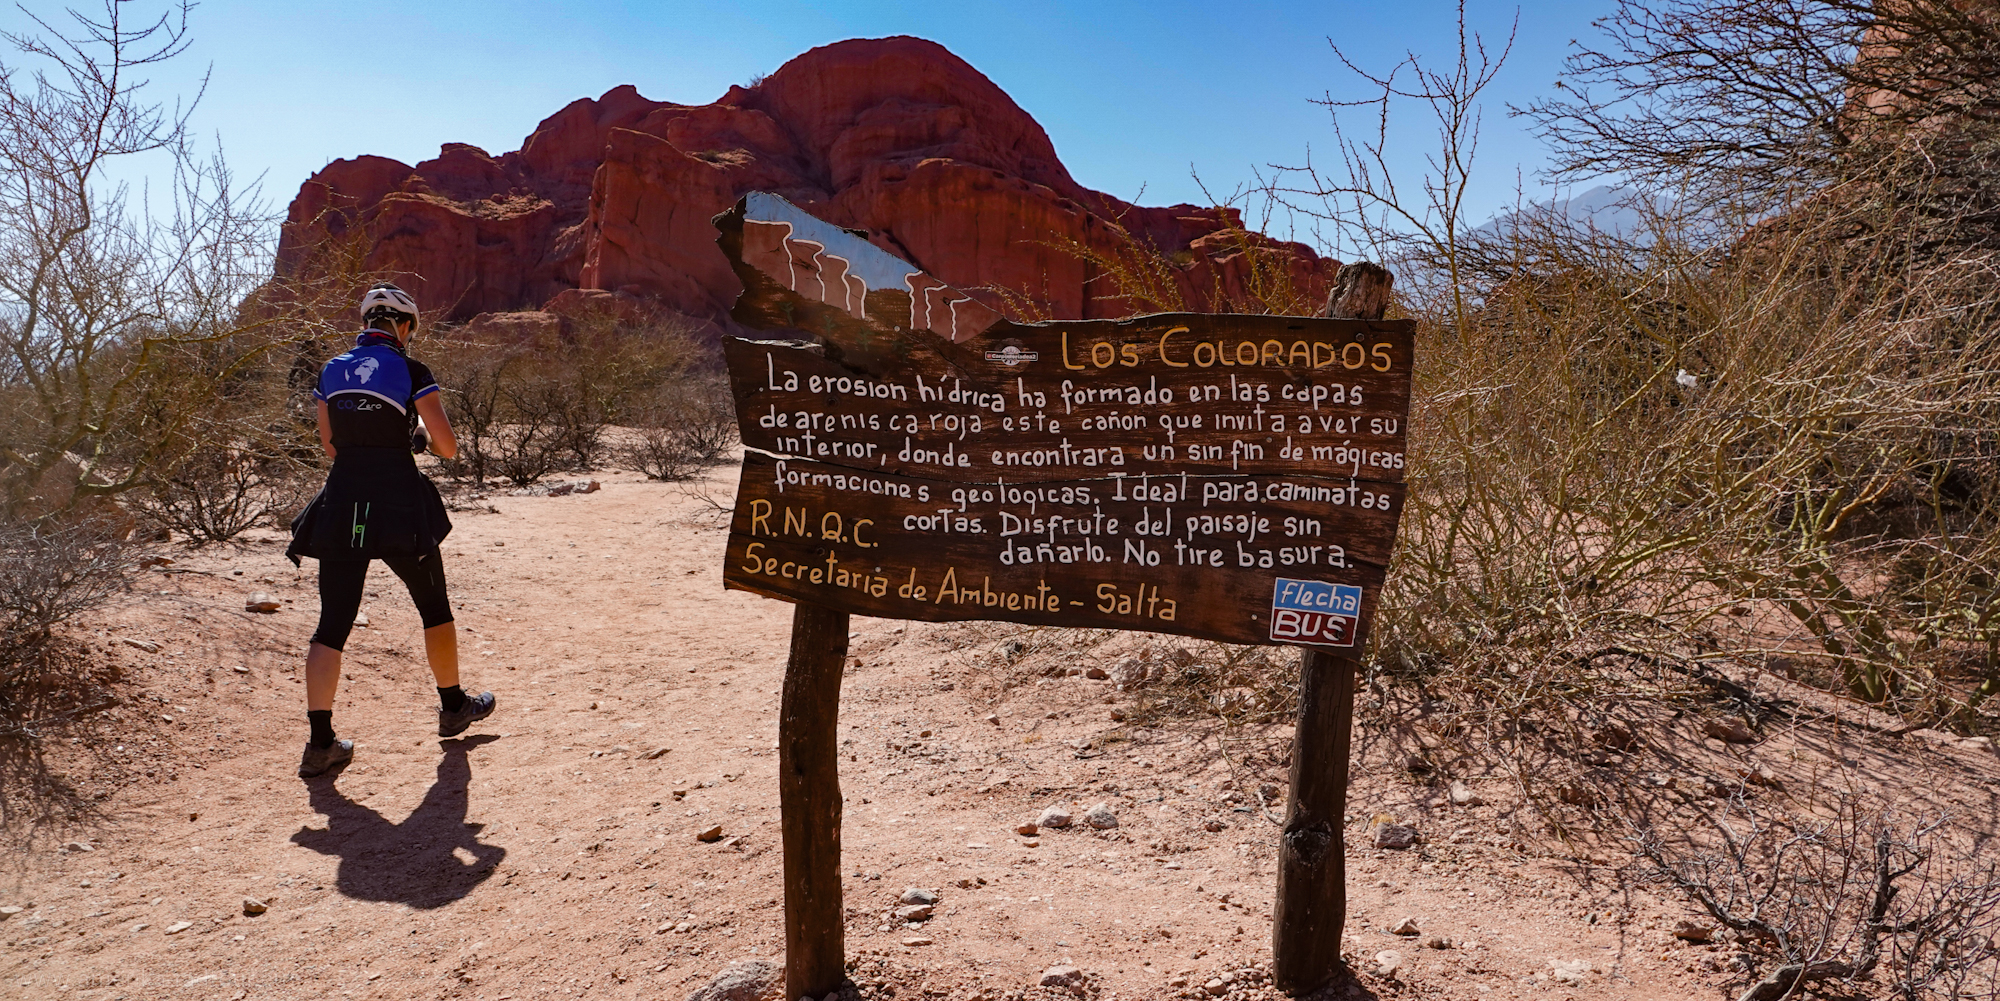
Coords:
896,137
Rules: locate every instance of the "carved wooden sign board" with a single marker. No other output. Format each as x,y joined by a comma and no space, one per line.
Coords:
912,454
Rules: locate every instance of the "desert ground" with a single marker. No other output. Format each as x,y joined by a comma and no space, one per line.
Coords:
552,851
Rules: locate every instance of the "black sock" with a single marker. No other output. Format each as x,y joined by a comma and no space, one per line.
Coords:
321,721
453,698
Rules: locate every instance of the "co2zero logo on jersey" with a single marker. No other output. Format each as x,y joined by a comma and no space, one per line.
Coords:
1316,612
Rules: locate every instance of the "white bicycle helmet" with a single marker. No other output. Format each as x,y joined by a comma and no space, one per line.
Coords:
385,299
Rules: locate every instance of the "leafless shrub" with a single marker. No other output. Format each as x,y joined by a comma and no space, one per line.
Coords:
1913,905
549,428
472,375
1626,439
685,427
524,410
99,295
1759,103
513,420
49,574
219,490
251,456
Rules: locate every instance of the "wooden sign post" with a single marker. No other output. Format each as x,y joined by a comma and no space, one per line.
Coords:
912,454
809,802
1310,906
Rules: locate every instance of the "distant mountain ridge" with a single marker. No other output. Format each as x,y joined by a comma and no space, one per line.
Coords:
1607,208
896,137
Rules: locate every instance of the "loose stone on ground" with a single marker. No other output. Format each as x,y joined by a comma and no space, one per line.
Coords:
745,981
1395,836
1062,976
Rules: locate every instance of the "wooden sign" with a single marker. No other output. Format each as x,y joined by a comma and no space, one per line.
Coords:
913,454
1232,477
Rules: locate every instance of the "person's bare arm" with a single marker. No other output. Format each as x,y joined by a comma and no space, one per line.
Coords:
444,444
325,431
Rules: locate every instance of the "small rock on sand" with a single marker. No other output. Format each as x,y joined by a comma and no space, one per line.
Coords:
1055,817
1027,830
1572,972
918,895
146,646
655,753
261,601
1062,976
917,940
1396,836
179,926
1616,736
1407,926
1462,795
1943,739
1761,776
253,906
1101,817
1729,730
1575,794
711,834
1693,931
745,981
1388,963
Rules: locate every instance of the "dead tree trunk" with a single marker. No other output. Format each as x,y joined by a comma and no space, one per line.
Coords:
1360,292
809,803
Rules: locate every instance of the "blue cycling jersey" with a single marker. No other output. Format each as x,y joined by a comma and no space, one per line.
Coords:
369,392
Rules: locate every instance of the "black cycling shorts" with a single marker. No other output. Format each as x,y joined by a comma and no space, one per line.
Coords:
342,581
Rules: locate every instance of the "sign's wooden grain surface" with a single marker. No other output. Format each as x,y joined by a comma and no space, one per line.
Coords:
1247,559
1093,398
1232,477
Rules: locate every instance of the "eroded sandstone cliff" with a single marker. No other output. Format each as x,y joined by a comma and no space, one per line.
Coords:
895,137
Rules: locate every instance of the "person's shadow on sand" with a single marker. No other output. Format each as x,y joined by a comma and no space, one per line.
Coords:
414,862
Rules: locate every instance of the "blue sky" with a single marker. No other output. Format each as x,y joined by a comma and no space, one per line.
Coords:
1133,94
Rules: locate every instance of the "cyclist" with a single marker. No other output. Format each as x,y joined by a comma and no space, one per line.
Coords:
377,505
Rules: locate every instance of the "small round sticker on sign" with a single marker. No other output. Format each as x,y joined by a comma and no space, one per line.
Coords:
1011,355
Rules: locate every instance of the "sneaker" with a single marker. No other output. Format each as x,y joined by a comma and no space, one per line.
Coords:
320,760
476,708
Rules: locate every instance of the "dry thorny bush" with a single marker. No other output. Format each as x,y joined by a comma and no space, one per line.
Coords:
1758,430
1857,895
527,408
51,684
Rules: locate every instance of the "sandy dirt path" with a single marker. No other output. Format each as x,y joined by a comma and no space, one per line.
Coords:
549,853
